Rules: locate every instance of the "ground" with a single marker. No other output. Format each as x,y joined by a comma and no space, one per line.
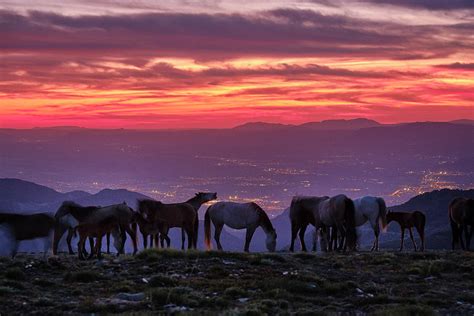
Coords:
237,283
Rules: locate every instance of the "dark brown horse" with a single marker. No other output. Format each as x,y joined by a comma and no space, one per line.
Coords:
301,215
171,215
152,229
27,227
75,214
68,217
408,220
196,201
95,230
461,218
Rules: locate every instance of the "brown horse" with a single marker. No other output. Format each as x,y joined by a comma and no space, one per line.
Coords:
196,201
26,227
408,220
73,214
151,229
302,211
95,230
461,218
338,213
68,217
171,215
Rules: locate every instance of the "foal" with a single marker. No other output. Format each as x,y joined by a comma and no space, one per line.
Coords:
97,230
408,220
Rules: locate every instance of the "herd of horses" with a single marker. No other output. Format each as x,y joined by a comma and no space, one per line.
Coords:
334,219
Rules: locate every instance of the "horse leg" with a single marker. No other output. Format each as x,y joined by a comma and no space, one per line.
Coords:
190,233
248,238
133,234
315,240
376,240
412,239
301,234
467,237
145,241
217,235
294,232
70,234
80,246
59,231
108,243
461,229
14,248
46,246
99,247
183,238
421,232
91,244
403,238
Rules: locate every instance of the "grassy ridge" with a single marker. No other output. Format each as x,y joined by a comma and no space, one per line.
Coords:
226,282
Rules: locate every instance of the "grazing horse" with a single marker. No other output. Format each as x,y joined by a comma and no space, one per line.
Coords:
338,213
171,215
196,201
238,216
461,216
97,230
373,210
408,220
302,213
68,217
26,227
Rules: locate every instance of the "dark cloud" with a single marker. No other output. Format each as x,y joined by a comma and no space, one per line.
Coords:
428,4
278,33
461,66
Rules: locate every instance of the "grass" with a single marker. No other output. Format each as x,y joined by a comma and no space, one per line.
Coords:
232,283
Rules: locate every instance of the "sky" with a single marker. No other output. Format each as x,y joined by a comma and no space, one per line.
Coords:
149,64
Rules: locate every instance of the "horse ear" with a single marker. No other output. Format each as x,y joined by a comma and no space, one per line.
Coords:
124,203
196,194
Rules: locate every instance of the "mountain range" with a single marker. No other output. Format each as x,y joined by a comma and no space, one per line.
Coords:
26,197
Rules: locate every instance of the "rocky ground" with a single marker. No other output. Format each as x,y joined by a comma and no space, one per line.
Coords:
236,283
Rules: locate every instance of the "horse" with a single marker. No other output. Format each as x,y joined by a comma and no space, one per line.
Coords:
461,216
408,220
26,227
171,215
97,230
338,213
373,210
196,201
238,216
121,213
149,229
73,214
302,213
68,217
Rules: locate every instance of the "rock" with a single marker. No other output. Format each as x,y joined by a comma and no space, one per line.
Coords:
243,299
131,297
359,291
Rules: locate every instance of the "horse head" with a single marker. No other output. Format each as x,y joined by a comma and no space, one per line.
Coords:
271,240
206,196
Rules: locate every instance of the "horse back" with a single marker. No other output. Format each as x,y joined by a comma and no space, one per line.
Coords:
25,227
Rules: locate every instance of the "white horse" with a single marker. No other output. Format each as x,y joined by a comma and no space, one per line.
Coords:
374,210
238,216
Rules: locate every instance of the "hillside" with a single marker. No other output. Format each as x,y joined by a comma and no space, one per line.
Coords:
237,283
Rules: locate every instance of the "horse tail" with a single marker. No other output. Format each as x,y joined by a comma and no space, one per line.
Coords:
382,216
207,229
349,215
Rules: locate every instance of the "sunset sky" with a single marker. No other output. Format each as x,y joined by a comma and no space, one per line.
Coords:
211,64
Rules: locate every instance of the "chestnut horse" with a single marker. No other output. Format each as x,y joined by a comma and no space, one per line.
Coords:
95,230
338,213
151,229
408,220
171,215
461,218
302,213
26,227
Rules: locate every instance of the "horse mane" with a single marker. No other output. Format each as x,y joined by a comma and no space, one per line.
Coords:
264,219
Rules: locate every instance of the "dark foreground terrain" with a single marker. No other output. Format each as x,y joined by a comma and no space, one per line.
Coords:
236,283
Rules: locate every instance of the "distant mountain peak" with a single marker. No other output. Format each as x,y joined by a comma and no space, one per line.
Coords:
261,126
